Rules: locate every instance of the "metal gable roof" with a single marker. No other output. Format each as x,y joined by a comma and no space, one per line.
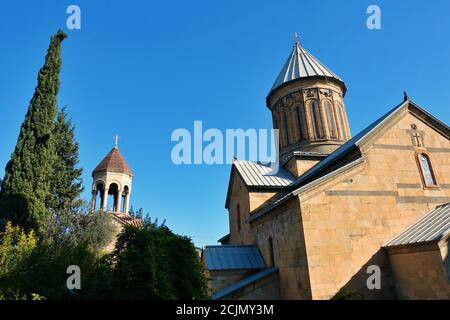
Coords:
432,227
233,257
256,175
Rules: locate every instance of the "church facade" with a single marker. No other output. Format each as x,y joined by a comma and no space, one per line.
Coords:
342,210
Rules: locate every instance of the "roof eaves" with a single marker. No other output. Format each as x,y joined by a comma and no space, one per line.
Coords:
437,124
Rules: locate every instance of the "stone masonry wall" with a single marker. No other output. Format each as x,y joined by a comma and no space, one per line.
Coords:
348,218
420,272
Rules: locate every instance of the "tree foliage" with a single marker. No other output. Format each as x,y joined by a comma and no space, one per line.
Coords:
77,237
26,189
66,180
155,263
41,192
16,246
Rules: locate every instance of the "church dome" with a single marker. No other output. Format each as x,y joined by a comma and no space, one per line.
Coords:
301,65
113,162
307,105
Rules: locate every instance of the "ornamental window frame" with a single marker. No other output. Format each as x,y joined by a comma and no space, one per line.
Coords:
422,169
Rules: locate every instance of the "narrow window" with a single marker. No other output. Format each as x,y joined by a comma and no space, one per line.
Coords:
286,129
275,121
299,123
341,120
238,213
330,118
271,255
427,170
315,112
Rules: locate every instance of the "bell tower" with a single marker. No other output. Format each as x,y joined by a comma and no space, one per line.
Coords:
112,181
307,105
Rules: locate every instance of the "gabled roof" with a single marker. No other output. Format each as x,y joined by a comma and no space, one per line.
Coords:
364,135
301,64
434,226
243,283
233,257
336,160
255,174
113,162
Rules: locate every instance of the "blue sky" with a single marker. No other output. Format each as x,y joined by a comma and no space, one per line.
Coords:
144,68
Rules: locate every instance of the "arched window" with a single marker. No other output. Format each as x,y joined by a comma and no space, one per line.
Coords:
286,128
238,217
340,113
315,114
427,170
299,122
330,118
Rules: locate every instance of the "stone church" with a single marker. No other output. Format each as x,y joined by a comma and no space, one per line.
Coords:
341,209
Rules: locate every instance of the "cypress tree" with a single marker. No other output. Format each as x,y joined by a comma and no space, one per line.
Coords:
26,189
66,181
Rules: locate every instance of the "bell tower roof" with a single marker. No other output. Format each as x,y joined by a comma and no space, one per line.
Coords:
113,162
300,65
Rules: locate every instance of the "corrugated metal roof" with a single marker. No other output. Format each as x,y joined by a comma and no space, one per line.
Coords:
432,227
256,175
242,283
233,257
301,64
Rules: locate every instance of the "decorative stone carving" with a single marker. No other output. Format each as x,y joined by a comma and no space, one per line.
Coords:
326,93
310,93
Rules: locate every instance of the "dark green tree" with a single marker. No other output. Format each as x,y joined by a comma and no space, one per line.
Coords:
66,180
154,263
26,189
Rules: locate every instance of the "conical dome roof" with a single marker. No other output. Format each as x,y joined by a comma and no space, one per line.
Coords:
301,64
113,162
